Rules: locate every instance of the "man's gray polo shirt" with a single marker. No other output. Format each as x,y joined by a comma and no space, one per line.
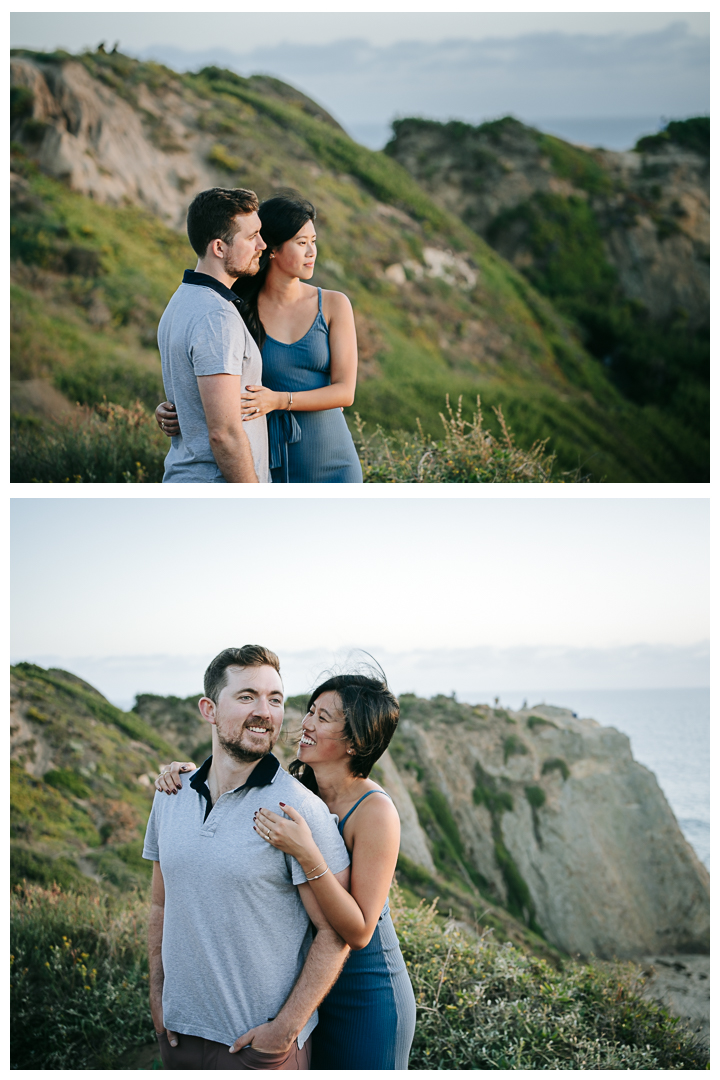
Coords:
235,933
201,333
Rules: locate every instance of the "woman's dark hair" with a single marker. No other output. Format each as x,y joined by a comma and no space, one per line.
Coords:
371,712
282,217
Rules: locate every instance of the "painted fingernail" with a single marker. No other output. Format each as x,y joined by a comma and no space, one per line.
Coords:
282,804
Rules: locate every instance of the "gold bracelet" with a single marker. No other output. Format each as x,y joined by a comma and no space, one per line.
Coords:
314,868
319,875
289,407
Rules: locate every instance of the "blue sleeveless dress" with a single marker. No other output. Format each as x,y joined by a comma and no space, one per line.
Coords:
307,447
367,1021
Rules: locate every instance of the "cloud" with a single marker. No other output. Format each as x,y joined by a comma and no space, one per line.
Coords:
467,672
665,72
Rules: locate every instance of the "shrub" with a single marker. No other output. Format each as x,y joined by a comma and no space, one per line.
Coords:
78,979
106,445
513,745
481,1005
67,780
468,454
220,156
556,763
539,721
535,796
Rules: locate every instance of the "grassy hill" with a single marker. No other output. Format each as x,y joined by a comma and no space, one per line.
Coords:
438,311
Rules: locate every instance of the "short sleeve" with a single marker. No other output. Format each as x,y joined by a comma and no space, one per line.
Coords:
151,849
326,836
218,343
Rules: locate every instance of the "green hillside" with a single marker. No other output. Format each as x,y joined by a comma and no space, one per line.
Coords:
90,282
620,247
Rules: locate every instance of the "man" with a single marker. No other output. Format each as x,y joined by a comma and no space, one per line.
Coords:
235,975
207,352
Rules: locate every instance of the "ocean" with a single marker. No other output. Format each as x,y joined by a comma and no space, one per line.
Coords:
669,732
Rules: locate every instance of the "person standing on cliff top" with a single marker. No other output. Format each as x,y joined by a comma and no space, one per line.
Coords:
207,352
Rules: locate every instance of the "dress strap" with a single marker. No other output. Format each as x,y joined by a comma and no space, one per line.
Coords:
375,791
320,300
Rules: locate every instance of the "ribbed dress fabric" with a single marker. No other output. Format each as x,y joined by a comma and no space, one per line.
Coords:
367,1021
307,447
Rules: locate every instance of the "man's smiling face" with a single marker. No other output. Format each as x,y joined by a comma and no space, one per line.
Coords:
249,712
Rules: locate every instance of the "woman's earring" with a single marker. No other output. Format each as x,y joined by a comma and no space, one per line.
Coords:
351,751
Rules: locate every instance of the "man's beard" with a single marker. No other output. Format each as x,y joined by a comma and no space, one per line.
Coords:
249,270
233,748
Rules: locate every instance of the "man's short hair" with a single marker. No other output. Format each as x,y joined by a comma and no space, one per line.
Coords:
211,215
245,656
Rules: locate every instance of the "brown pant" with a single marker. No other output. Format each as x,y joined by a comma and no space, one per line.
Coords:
193,1052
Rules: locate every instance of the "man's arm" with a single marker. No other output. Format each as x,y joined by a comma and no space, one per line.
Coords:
222,402
323,964
155,964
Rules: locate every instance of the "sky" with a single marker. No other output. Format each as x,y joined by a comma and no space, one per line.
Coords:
137,595
600,77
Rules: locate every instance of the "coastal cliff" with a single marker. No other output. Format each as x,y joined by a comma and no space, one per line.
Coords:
558,822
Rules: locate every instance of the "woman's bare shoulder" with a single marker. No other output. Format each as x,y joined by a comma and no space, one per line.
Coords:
378,811
335,303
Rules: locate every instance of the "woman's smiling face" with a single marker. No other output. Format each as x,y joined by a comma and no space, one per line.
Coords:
322,731
296,257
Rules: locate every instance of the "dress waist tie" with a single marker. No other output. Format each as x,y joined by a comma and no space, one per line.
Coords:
283,429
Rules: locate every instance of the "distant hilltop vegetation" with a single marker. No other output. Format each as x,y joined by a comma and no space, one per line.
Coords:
535,823
543,314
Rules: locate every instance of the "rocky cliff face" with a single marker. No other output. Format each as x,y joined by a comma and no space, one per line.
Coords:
556,820
149,152
653,207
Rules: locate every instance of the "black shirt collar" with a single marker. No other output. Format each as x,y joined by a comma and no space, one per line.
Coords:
262,774
192,277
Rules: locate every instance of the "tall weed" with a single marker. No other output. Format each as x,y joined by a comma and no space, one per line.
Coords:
468,454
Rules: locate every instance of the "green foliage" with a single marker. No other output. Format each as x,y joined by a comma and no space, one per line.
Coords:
33,866
692,134
576,165
130,723
78,979
468,454
539,721
486,794
21,102
482,1005
67,780
519,901
649,361
220,155
513,745
78,963
535,796
110,445
44,814
410,871
556,764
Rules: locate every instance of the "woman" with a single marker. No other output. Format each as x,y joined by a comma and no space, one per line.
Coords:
309,352
368,1019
